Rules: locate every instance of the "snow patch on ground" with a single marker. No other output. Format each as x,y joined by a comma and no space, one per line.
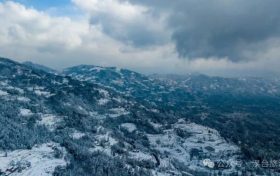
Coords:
3,93
23,99
49,120
105,93
130,127
140,156
116,112
25,112
42,93
40,160
103,143
103,101
118,99
4,83
155,125
19,90
118,82
105,97
189,144
97,115
77,134
96,69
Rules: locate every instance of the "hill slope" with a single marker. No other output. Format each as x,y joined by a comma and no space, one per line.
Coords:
249,107
92,128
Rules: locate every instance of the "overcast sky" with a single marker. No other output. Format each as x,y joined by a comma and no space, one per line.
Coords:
217,37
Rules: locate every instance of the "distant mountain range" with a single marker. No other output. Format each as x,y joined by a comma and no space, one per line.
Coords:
91,120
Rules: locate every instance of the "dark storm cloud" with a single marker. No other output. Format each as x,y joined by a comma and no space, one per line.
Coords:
220,28
140,31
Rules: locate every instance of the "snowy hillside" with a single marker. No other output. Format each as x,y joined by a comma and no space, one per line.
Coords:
40,160
108,121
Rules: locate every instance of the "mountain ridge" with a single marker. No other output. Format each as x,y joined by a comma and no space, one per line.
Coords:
159,130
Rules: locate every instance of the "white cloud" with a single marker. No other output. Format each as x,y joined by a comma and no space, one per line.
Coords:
29,34
122,10
30,29
132,24
61,41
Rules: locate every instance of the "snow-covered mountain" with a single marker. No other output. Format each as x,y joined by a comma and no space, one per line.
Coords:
40,67
106,121
211,85
248,106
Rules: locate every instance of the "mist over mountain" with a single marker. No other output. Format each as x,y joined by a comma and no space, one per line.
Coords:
92,120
